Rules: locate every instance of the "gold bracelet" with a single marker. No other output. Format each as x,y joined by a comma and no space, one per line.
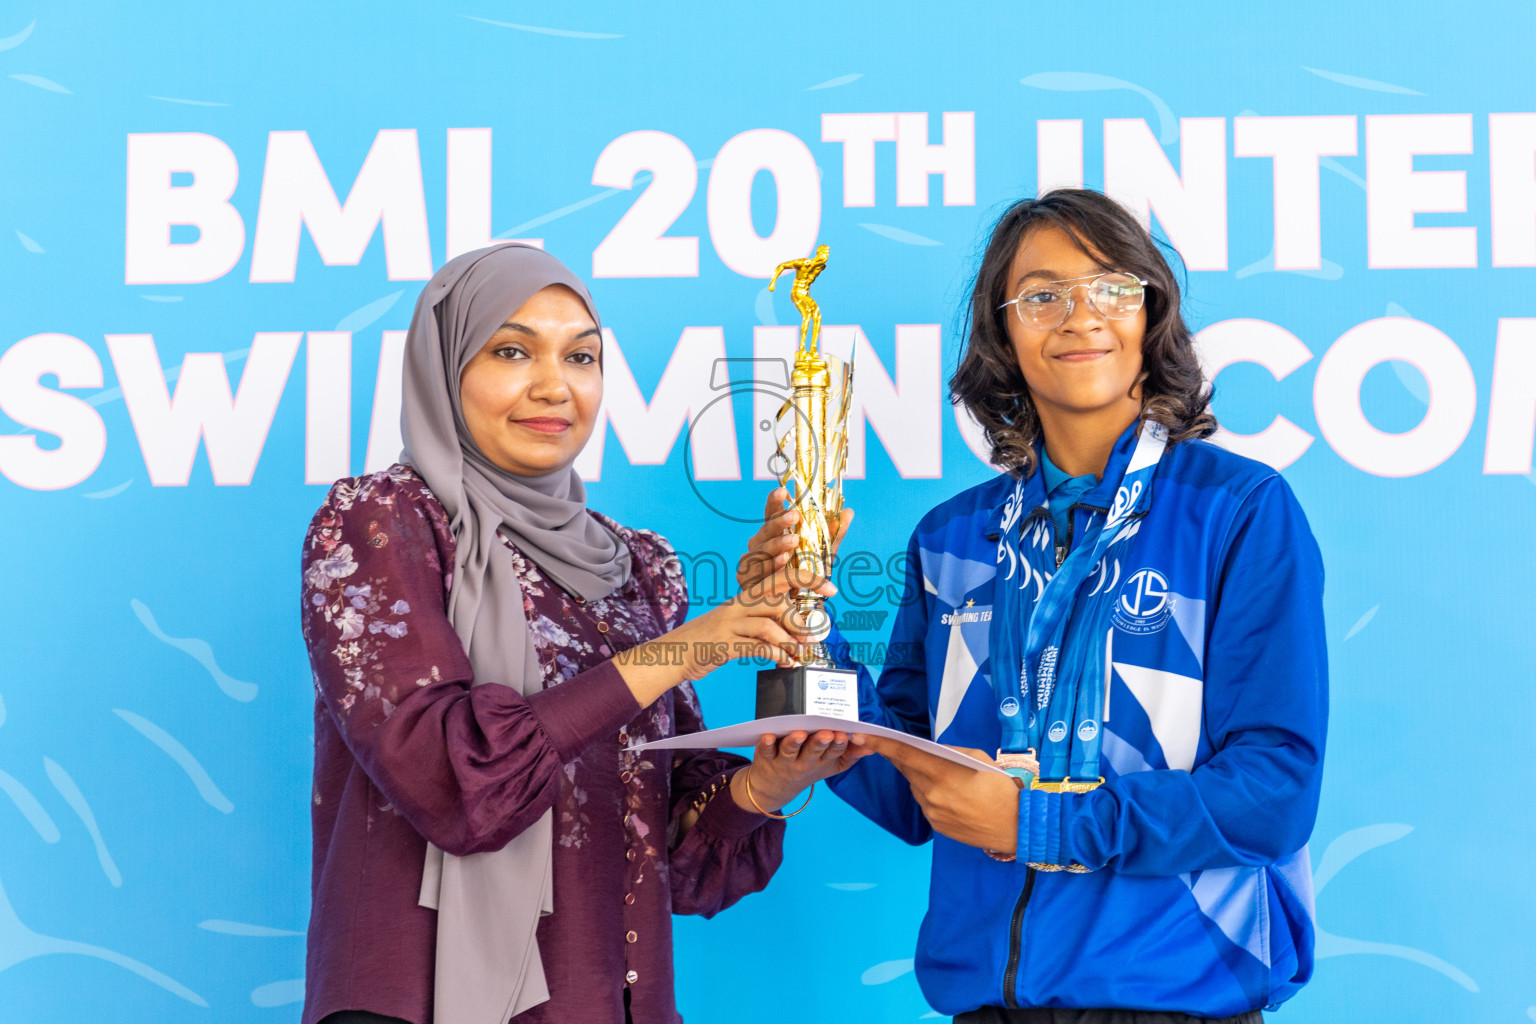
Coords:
746,780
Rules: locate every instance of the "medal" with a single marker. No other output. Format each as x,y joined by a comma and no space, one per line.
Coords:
1023,764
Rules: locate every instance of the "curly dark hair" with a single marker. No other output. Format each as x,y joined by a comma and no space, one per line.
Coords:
988,381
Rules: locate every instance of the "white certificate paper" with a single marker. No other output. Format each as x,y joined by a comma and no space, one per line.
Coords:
745,734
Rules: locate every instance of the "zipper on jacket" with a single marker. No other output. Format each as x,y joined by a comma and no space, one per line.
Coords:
1064,547
1016,942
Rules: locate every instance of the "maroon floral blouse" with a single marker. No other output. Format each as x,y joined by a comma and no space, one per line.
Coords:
406,751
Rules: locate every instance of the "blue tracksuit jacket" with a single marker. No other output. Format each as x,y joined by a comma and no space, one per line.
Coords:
1201,897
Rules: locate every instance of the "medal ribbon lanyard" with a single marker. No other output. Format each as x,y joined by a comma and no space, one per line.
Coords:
1059,687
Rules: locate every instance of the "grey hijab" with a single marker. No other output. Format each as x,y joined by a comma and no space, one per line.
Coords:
488,904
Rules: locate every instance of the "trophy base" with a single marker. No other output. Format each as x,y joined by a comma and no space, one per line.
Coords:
803,690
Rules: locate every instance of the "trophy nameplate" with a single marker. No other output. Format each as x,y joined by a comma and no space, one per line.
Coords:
804,690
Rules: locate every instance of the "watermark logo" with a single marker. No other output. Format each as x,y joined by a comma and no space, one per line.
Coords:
865,579
745,378
861,619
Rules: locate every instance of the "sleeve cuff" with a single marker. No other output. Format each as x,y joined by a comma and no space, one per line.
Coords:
1039,827
584,708
723,817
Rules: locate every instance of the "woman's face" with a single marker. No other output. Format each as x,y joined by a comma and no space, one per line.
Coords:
1088,363
530,395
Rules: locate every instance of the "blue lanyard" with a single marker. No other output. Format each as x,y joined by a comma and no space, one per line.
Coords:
1051,693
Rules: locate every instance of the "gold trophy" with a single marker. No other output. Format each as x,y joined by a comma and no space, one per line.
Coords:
812,451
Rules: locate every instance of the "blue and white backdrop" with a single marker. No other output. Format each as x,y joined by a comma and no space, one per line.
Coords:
215,218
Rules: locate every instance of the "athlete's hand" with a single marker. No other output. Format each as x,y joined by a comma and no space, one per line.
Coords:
973,807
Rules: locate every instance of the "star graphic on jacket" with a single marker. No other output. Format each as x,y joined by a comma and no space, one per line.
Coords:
970,602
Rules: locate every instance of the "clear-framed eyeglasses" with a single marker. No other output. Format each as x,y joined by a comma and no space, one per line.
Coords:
1045,305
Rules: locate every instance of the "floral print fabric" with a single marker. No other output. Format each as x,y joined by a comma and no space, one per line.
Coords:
407,750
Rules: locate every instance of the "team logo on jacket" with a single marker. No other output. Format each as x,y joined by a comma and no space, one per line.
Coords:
1144,604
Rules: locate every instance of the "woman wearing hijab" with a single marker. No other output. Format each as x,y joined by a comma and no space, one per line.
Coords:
1130,619
485,651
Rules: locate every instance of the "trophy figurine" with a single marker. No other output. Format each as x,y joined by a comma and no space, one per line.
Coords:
812,450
